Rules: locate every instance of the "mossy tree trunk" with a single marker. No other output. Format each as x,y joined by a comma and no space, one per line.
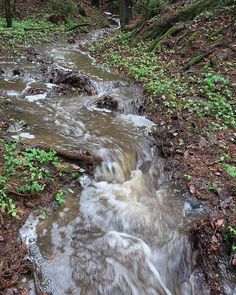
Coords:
161,27
8,13
125,7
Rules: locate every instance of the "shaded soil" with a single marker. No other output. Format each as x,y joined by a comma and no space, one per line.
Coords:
108,102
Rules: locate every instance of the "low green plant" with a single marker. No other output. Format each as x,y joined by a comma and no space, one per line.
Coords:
42,214
205,94
188,177
23,32
212,187
25,171
230,169
230,236
59,197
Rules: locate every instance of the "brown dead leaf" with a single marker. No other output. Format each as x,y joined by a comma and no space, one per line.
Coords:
233,261
192,189
219,222
214,244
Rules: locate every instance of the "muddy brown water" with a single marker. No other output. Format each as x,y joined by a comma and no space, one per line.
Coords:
125,231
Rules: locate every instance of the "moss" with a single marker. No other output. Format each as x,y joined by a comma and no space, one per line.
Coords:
189,42
199,7
159,28
193,61
215,34
156,44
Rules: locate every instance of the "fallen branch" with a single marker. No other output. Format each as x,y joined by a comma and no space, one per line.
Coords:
230,47
78,26
39,29
83,156
36,281
193,61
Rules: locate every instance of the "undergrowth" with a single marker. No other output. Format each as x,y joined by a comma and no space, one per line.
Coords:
25,32
29,172
206,94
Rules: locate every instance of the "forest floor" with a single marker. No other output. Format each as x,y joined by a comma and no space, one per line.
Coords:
194,111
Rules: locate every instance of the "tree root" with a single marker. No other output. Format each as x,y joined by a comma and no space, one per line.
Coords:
198,58
195,60
156,44
159,28
189,42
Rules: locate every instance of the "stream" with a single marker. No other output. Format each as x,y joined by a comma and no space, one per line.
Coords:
125,232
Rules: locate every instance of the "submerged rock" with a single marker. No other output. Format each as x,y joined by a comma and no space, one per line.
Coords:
74,79
108,102
71,41
35,91
16,72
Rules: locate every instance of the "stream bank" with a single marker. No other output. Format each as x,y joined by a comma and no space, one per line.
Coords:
144,167
128,221
195,120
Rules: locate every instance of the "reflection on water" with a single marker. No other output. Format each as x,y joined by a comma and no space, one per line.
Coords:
124,233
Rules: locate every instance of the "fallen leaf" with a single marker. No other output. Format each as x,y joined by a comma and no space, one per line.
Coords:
214,244
1,238
233,261
214,240
219,222
192,189
75,166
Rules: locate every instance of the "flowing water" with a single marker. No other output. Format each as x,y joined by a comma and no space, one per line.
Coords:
125,231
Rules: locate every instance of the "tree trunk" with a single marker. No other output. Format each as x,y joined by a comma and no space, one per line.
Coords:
125,7
8,13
